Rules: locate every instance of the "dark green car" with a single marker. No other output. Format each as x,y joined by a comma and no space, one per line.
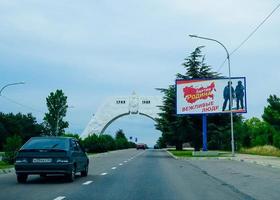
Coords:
51,155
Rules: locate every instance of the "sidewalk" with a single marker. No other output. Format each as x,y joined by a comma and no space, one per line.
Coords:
269,161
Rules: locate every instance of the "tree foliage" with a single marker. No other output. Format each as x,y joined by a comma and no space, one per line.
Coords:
177,130
272,112
57,107
121,140
19,124
11,147
101,143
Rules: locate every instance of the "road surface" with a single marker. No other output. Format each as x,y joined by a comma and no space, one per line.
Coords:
151,174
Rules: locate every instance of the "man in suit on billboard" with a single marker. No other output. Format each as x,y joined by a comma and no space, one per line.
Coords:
227,95
239,92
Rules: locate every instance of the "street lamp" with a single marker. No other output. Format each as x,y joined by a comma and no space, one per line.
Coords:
10,84
230,92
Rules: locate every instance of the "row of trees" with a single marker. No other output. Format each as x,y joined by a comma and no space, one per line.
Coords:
24,129
177,130
21,125
102,143
265,131
16,129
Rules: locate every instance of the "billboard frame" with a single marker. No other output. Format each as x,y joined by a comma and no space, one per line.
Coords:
205,79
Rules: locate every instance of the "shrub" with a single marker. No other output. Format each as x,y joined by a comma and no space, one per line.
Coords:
266,150
90,143
276,140
11,147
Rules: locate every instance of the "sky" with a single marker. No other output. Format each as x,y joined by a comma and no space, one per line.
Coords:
93,49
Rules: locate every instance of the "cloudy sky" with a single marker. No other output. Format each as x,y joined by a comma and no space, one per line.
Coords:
93,49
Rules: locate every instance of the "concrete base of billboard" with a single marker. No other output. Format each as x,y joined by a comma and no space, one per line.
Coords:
205,153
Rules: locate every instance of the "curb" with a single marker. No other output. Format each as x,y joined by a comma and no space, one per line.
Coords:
255,162
175,157
224,158
7,171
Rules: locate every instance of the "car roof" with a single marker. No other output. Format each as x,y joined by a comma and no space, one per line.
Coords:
53,137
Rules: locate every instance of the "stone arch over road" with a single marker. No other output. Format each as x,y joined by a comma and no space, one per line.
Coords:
116,107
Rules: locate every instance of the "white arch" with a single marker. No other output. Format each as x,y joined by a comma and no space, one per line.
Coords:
116,107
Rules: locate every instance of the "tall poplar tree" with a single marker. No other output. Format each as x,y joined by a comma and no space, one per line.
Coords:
53,120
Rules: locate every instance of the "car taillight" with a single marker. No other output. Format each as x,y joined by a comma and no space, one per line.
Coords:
62,160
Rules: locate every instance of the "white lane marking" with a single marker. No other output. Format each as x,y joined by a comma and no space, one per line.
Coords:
103,174
87,183
120,164
125,161
114,168
59,198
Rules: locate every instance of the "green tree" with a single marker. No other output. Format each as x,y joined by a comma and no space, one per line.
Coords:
176,130
11,147
161,143
272,116
90,143
196,67
173,128
272,112
57,107
121,140
19,124
73,136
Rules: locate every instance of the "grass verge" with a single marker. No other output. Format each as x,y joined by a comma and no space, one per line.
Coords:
266,150
4,165
188,153
183,153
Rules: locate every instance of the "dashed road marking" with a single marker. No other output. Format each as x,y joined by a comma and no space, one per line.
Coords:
59,198
103,174
114,168
87,183
120,164
125,161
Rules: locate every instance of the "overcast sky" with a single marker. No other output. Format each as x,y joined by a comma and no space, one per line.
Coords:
93,49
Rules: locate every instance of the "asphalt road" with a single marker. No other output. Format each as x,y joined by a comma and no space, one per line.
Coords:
151,174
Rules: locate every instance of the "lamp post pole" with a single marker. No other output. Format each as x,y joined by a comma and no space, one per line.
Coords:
10,84
230,86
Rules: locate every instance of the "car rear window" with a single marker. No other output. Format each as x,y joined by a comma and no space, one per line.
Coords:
46,144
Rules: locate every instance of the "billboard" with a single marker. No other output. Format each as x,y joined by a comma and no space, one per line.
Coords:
206,96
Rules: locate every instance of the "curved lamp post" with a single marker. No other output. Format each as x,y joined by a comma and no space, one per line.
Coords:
230,92
10,84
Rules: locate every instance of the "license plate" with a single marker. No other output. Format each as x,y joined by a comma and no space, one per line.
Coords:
42,160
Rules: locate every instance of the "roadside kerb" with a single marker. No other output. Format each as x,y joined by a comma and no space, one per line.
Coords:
267,161
6,171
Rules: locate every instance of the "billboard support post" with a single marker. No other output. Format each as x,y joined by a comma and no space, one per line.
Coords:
204,132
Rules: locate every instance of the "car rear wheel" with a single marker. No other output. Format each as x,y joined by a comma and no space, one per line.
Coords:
71,177
85,171
22,178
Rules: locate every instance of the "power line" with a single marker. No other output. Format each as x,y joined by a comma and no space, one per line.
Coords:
22,105
250,35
